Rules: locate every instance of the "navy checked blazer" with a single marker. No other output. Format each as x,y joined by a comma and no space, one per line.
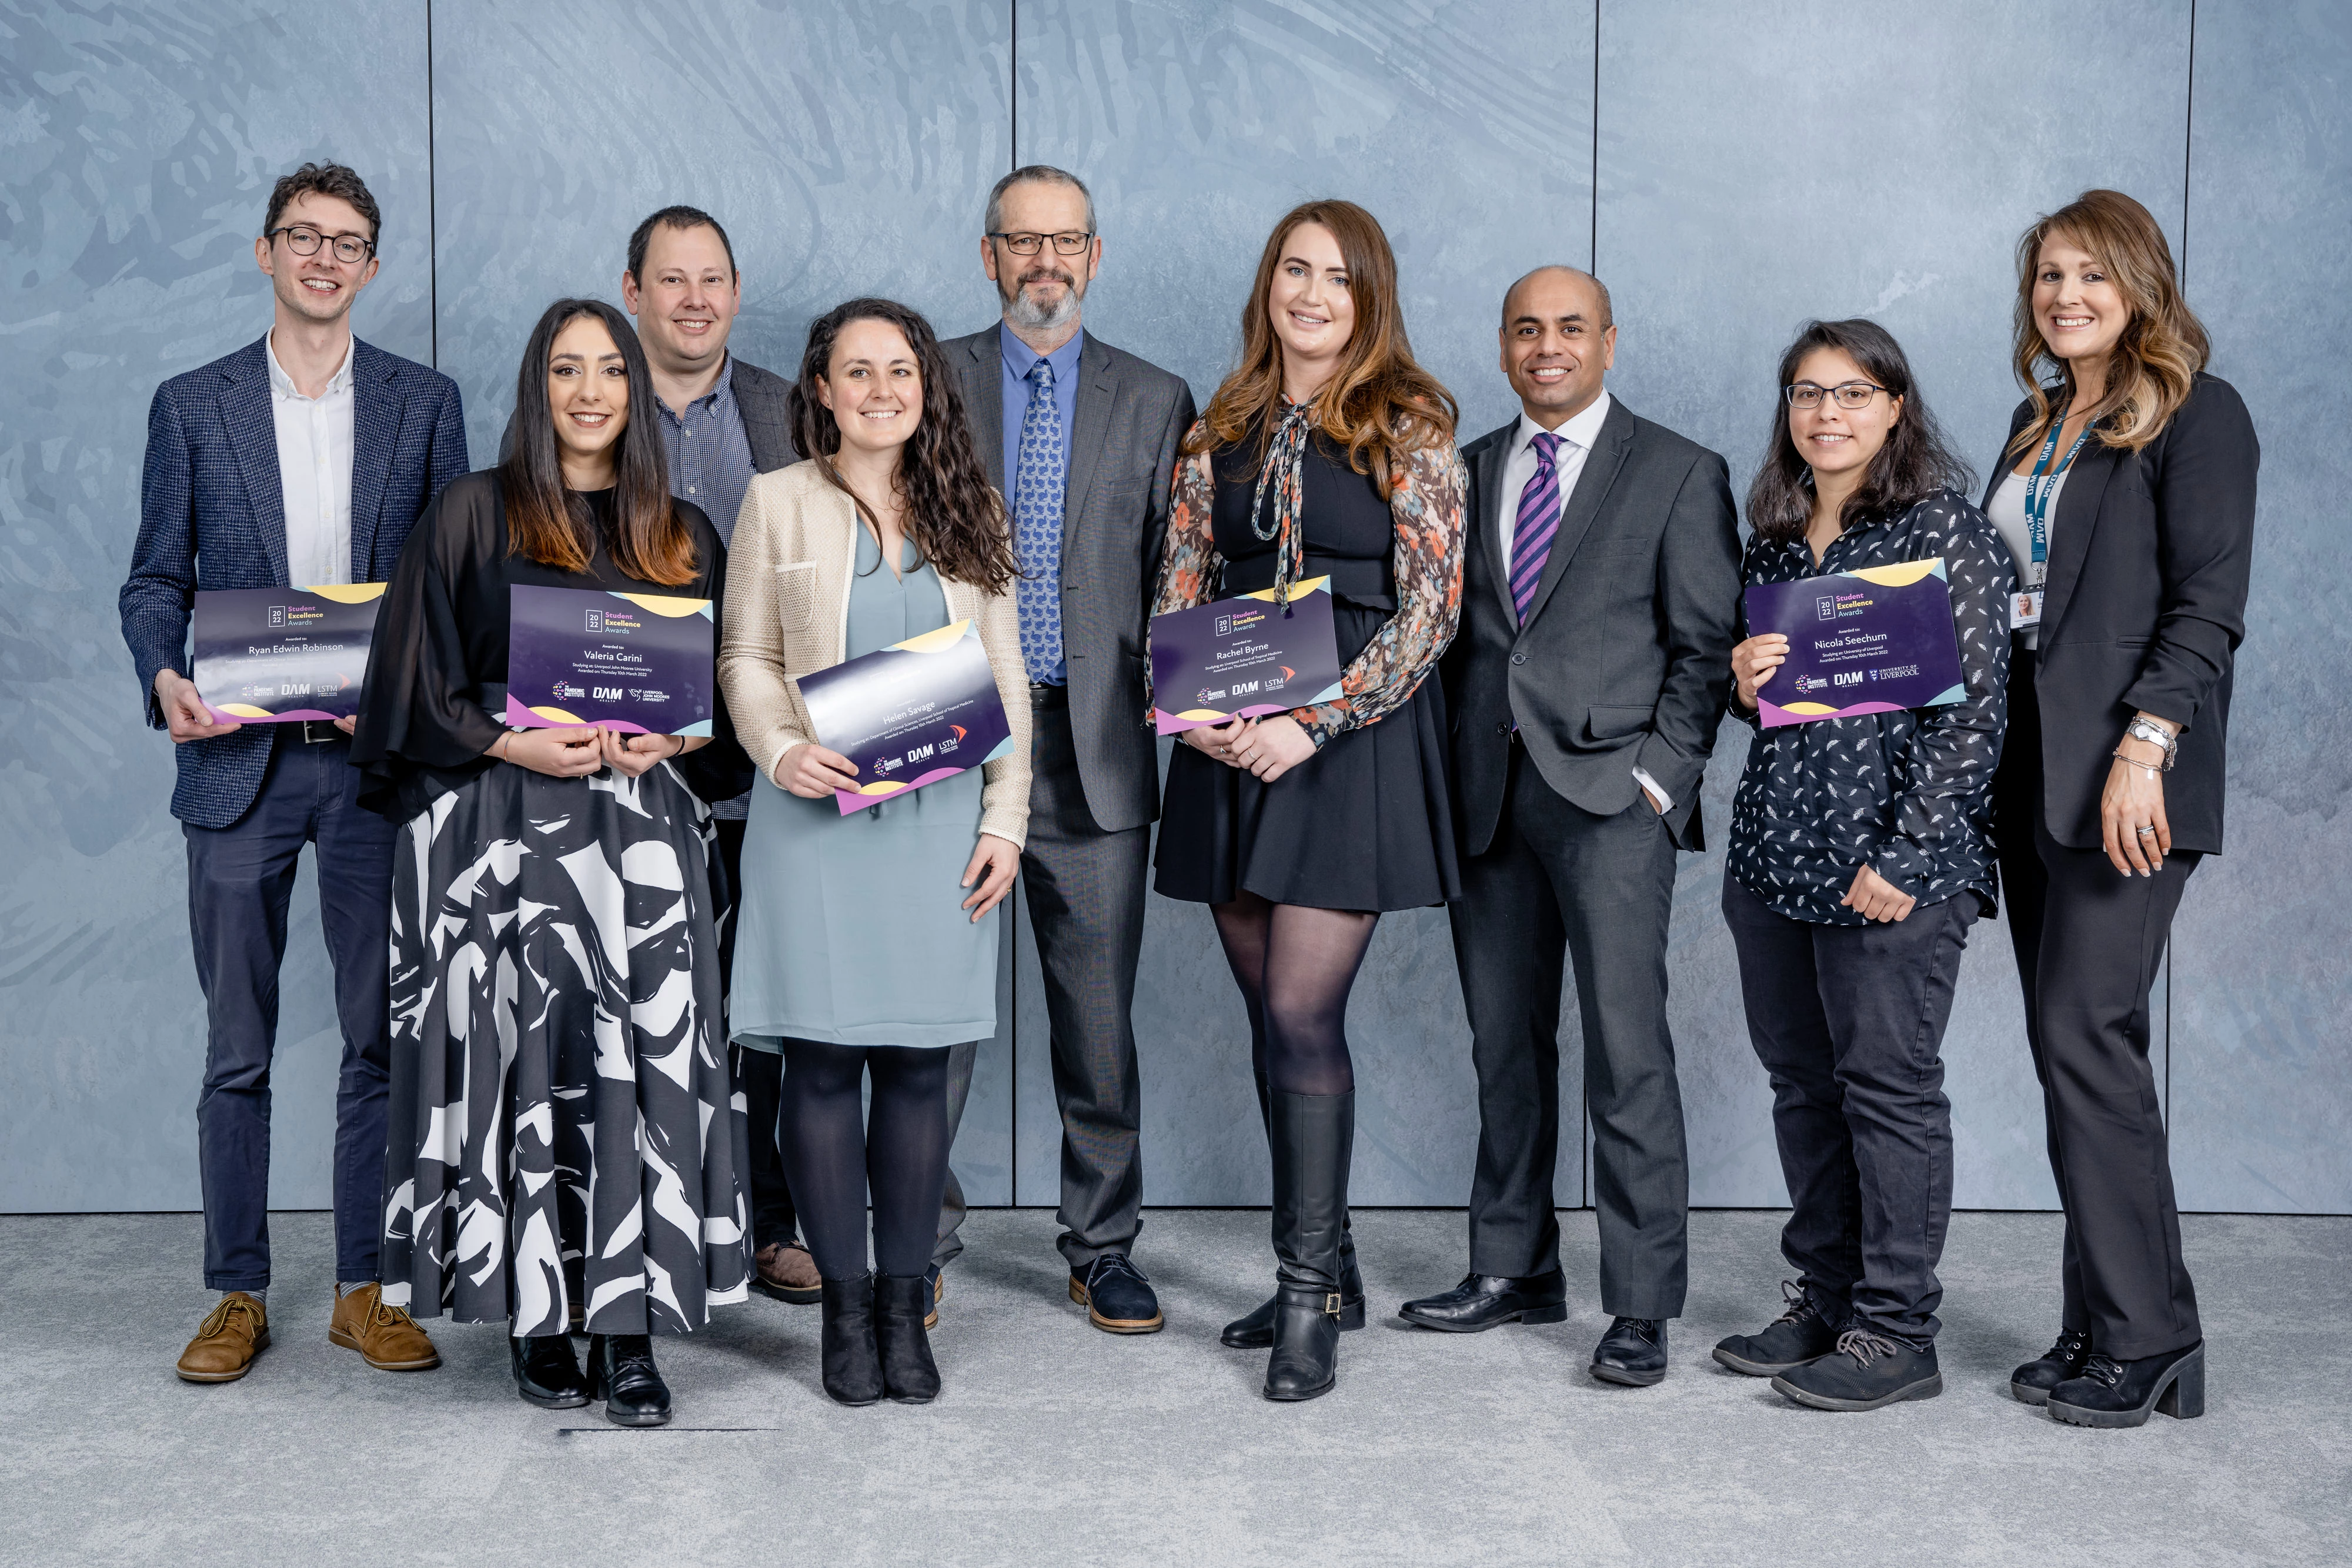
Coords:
211,514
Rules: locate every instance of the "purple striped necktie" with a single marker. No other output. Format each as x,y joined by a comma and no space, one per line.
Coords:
1538,522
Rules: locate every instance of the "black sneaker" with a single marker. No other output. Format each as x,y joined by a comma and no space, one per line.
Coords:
1866,1372
2032,1381
1118,1298
1797,1336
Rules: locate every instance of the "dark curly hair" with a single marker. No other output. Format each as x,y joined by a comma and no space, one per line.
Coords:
954,516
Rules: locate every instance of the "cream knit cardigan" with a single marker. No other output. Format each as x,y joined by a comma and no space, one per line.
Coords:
788,582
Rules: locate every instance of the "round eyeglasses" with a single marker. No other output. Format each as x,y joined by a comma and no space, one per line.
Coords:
1070,243
303,240
1849,395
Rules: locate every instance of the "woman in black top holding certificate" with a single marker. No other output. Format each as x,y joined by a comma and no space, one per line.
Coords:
1329,453
2125,493
1859,856
563,1144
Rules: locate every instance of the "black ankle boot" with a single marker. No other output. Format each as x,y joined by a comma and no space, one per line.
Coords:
1312,1137
545,1375
853,1366
909,1375
1254,1329
626,1379
2031,1383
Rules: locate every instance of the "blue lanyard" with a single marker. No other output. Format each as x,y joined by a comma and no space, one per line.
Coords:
2041,487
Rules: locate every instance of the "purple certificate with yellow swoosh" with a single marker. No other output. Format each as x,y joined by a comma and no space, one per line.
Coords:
1241,657
910,715
276,656
1878,639
638,663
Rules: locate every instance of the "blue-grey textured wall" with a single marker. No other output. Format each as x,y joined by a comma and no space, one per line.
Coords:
1732,167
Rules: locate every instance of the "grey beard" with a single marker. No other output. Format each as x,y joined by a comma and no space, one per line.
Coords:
1026,314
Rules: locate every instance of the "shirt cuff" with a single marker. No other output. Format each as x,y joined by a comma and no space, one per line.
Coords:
1666,801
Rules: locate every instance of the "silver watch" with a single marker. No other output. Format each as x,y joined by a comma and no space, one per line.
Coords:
2140,730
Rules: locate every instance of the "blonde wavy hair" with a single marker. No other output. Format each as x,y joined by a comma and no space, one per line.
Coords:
1380,405
2162,348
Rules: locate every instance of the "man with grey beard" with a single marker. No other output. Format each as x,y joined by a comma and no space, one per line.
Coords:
1081,440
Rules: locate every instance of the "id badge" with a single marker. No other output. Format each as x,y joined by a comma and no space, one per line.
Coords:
2025,610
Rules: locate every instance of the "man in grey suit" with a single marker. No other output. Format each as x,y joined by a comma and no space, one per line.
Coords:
1081,440
1601,599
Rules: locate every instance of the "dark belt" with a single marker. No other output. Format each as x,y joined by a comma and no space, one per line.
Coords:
1045,698
313,732
1358,581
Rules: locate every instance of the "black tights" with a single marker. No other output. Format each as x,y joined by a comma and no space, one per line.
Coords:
1295,966
836,1153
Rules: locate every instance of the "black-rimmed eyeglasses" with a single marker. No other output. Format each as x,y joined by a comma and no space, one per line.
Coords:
304,240
1849,395
1071,244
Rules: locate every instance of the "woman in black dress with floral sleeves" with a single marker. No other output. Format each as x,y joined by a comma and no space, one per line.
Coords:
1329,453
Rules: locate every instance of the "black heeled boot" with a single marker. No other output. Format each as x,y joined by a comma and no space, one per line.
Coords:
1254,1330
909,1375
852,1365
626,1379
545,1375
1312,1136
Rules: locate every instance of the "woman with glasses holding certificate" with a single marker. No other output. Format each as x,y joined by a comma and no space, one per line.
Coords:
1329,453
563,1151
2126,494
1861,852
867,946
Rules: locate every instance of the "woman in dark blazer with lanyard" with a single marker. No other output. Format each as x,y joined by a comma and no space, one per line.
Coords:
2126,497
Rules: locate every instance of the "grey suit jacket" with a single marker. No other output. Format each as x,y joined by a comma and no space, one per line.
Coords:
1626,654
759,398
1131,420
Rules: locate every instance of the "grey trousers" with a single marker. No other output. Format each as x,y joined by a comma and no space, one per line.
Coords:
1560,885
1085,889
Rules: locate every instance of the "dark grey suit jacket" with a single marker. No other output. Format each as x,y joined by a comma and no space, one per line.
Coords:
759,398
1626,654
1131,420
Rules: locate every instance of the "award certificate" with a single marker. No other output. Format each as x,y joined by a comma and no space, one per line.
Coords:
1241,657
1878,639
910,715
274,655
637,664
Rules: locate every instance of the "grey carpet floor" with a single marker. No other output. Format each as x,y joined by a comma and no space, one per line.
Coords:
1056,1444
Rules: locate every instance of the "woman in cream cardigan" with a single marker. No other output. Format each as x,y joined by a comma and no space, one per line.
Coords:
865,946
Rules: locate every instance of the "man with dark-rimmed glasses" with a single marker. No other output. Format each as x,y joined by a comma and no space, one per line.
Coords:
302,459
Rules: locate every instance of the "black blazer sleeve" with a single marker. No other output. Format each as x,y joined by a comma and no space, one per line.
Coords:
2204,492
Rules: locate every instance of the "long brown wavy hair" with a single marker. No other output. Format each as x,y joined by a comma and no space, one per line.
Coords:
550,523
1380,404
2162,348
954,516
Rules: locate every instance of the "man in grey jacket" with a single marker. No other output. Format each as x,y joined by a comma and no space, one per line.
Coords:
1081,440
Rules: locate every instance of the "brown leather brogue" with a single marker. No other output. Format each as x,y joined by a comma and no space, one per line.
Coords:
234,1331
386,1337
789,1274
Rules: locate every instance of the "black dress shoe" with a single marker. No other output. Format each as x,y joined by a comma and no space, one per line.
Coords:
1253,1330
1794,1338
1633,1352
1483,1301
1118,1298
901,1344
1867,1371
852,1366
626,1379
2112,1392
2032,1381
545,1375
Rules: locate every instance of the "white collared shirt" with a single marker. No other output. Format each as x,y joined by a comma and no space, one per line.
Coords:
315,441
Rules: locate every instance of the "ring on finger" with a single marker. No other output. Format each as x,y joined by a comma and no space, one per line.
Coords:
2146,832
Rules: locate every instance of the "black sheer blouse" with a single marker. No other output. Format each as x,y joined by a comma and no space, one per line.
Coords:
442,638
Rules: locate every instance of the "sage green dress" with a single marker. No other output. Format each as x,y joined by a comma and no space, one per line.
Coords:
853,927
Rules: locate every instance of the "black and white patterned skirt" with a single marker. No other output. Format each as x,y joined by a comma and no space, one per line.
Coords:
564,1127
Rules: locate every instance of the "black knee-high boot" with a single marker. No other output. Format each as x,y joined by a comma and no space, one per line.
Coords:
1312,1136
1254,1330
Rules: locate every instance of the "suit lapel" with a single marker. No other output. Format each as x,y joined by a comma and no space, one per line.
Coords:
2071,530
1485,538
984,399
1089,428
1601,467
377,408
252,434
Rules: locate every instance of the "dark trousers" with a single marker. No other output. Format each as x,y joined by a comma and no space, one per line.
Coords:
2089,941
762,1072
1559,884
1085,888
241,883
1848,1021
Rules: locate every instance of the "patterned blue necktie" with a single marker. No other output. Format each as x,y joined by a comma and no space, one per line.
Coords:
1039,476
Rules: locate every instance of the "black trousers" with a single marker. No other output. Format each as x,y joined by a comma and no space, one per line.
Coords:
1085,888
1559,884
2089,941
240,882
1848,1021
773,1218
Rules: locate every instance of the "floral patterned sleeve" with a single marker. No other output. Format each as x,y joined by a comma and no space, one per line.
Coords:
1428,506
1189,563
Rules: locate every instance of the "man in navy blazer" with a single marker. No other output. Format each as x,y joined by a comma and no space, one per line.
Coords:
303,458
